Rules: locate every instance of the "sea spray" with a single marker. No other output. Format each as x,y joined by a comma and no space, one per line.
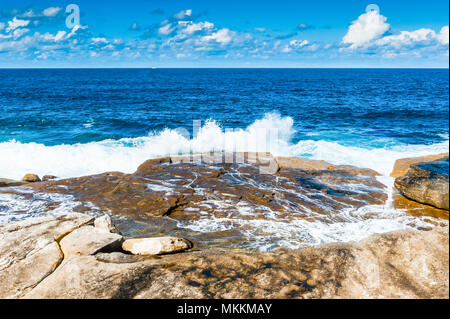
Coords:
272,133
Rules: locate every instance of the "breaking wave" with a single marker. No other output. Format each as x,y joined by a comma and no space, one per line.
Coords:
273,133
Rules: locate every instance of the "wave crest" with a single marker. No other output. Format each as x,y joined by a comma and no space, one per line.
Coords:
273,133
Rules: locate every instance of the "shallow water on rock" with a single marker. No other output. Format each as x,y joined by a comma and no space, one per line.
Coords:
228,205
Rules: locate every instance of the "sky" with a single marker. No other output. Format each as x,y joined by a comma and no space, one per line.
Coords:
213,33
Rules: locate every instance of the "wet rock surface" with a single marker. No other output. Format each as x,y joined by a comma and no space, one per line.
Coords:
6,182
224,204
402,165
226,210
427,183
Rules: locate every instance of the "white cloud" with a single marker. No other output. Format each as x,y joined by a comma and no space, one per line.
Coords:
75,30
298,43
183,14
99,40
19,32
16,23
2,26
369,26
408,38
294,44
223,36
443,35
60,36
193,27
51,12
165,30
28,14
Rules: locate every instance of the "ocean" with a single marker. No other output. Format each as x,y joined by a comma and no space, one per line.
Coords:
72,122
78,122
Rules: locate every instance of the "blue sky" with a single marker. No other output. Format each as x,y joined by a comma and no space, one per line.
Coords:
151,33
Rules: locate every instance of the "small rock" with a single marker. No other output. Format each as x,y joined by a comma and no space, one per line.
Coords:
31,178
156,245
48,177
105,223
5,182
89,240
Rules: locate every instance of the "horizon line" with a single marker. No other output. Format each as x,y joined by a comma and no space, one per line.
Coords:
212,67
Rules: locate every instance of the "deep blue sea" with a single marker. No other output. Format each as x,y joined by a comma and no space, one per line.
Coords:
71,122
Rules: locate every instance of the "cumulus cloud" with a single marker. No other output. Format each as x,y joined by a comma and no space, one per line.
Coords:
51,12
2,26
191,27
19,32
443,35
223,36
368,27
16,23
183,14
294,45
409,38
99,40
166,29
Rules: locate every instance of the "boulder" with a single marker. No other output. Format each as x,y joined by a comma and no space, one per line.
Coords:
106,224
400,264
402,165
5,182
156,245
31,178
89,240
29,250
427,183
48,177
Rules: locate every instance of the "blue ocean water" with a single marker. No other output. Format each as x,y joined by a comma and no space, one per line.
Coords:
65,117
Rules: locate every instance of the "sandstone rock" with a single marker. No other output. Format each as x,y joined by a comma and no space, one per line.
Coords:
156,245
48,177
427,183
188,192
420,210
29,251
31,178
265,161
5,182
105,223
301,163
400,264
89,240
310,164
402,165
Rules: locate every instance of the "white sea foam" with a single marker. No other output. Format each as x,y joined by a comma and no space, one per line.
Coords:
128,153
272,133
